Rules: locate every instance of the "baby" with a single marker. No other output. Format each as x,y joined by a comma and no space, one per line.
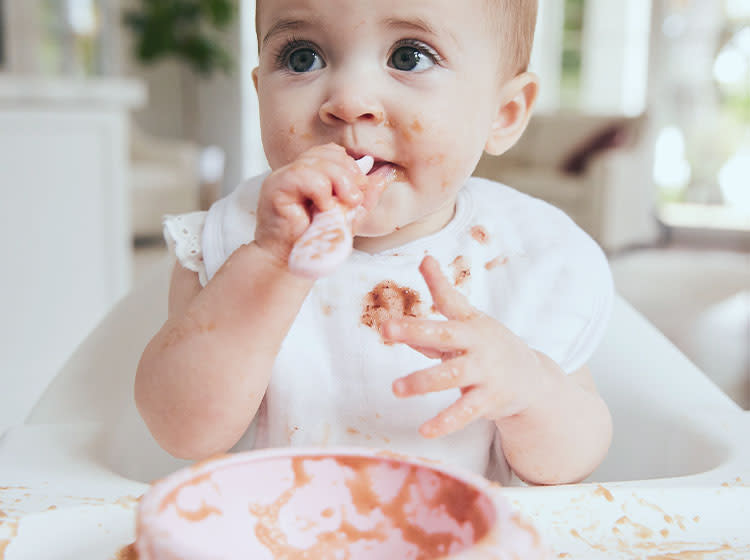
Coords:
460,326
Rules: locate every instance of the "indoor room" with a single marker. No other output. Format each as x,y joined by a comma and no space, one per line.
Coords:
117,113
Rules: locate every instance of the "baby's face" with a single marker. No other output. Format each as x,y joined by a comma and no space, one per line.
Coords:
414,83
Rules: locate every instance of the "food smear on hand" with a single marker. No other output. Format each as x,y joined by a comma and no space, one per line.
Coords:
327,242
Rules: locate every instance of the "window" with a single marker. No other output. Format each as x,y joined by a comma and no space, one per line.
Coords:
70,37
702,158
592,55
572,47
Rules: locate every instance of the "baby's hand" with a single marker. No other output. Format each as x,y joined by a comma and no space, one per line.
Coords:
494,369
317,180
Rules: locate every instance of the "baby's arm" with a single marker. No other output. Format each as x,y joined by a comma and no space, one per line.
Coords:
554,428
564,434
202,377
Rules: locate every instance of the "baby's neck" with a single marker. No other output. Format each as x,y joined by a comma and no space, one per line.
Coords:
428,225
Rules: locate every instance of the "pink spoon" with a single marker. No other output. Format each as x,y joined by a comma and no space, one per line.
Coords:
327,242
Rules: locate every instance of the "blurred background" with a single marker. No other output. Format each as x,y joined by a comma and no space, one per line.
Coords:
115,112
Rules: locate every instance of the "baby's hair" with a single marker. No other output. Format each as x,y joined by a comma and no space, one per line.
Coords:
514,21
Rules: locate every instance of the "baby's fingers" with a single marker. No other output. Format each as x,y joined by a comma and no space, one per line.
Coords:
457,416
303,184
448,375
425,335
333,180
449,301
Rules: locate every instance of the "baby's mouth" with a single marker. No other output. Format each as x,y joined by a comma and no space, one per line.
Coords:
379,166
387,171
381,176
381,169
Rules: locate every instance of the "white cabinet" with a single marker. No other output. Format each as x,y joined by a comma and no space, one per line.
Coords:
64,222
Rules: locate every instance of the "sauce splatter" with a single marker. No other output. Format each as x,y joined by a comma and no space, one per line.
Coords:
480,234
461,270
127,553
387,301
497,261
602,491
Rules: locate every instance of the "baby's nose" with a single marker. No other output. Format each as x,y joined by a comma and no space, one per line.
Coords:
350,106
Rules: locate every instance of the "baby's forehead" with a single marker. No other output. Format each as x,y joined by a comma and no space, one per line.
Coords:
446,13
396,6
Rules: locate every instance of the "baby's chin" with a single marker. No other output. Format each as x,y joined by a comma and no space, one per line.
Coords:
377,238
374,232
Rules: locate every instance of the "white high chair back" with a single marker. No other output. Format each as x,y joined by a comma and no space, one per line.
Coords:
96,383
664,409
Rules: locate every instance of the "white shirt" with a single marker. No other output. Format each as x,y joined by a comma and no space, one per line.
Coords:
517,259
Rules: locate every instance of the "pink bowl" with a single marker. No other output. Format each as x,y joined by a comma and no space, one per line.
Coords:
333,503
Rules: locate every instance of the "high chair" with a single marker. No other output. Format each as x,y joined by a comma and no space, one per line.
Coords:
670,421
674,484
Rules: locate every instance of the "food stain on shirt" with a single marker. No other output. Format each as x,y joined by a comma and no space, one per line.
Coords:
127,553
291,431
388,301
480,234
497,261
461,270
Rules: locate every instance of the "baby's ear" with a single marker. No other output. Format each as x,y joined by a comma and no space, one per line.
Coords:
255,78
517,99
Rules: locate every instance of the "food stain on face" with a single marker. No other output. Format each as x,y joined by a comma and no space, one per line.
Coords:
461,270
388,301
404,130
480,234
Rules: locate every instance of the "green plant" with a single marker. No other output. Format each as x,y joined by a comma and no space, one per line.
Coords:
185,29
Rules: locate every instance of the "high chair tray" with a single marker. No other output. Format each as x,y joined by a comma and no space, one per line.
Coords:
60,501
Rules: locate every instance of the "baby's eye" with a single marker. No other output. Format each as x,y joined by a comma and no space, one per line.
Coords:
304,60
412,58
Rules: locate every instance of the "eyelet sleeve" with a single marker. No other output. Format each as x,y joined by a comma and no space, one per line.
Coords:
183,233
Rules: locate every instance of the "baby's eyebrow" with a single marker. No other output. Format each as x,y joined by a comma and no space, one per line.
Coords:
284,26
418,24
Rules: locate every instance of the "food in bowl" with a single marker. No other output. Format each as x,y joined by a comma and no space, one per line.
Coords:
343,504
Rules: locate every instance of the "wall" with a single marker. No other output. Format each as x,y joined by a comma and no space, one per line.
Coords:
225,106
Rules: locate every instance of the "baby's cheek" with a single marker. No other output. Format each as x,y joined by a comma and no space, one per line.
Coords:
446,165
285,144
298,134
